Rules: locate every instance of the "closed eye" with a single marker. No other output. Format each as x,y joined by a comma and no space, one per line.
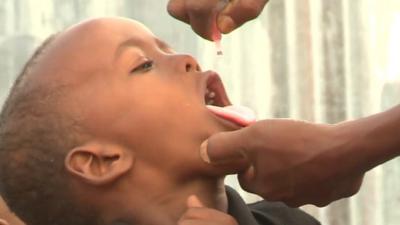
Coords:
144,67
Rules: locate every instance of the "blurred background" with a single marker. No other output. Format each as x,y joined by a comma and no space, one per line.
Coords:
323,61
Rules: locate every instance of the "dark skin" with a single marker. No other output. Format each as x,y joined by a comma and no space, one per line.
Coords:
143,106
307,155
322,163
209,17
301,149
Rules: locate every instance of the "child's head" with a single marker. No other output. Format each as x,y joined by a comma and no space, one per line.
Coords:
103,106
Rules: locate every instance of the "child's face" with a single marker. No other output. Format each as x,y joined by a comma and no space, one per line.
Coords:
132,88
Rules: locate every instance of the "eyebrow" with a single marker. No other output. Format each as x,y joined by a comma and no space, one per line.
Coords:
135,42
124,44
163,45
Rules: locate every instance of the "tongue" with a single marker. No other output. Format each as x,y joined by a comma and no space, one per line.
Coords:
240,115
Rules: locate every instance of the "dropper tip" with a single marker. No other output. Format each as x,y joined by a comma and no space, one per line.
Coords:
218,47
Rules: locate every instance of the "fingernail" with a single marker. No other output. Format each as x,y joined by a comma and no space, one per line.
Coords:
226,24
203,152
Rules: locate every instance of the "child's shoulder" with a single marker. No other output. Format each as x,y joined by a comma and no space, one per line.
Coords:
265,212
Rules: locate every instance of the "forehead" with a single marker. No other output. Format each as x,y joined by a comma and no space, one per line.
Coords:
88,47
107,29
103,35
121,27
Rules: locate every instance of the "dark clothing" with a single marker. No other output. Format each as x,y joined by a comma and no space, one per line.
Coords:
265,213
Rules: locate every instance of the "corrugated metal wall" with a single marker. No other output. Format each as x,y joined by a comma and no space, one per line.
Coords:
323,61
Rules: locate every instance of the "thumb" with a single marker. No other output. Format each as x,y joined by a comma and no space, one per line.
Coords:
202,18
227,148
238,12
176,8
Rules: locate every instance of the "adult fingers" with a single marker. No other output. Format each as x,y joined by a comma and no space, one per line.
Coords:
202,17
227,148
238,12
177,9
247,180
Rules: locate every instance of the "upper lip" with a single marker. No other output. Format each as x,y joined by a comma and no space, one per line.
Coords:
211,82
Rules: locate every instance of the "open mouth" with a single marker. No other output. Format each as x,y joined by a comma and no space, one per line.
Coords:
217,102
214,91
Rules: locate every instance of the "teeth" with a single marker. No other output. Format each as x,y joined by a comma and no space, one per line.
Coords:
210,97
211,94
210,102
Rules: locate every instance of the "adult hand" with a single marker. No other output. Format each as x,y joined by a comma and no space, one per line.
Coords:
198,214
209,18
285,160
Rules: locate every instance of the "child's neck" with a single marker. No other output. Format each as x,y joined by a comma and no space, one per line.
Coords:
163,202
210,192
171,201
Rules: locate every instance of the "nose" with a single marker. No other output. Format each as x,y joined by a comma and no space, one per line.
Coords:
186,63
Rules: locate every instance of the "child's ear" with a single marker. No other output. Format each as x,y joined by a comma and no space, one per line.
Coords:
99,164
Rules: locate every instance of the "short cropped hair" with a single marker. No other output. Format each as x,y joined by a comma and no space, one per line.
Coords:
35,136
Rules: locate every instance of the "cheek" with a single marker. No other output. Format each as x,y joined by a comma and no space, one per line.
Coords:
166,104
163,118
167,111
150,114
160,130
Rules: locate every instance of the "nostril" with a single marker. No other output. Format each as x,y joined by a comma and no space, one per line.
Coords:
188,63
188,67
